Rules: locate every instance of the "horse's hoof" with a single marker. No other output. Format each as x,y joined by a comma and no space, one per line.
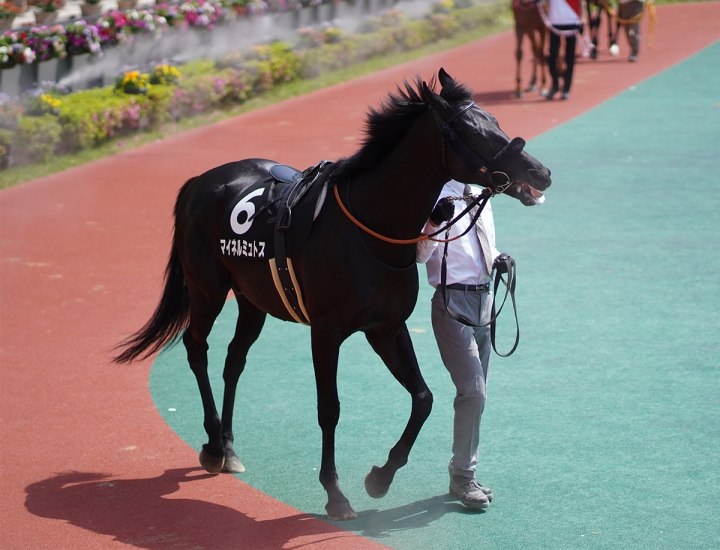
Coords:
373,486
212,464
233,465
341,511
519,94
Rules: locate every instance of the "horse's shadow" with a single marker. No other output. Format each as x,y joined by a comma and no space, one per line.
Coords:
137,512
416,515
497,97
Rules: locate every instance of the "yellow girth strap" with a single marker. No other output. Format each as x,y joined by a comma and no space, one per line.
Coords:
281,291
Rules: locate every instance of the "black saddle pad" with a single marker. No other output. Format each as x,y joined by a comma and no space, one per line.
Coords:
248,224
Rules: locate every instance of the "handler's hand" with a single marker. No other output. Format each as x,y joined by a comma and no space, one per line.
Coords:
500,264
443,211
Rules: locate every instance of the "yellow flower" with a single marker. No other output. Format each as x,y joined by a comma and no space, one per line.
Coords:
50,101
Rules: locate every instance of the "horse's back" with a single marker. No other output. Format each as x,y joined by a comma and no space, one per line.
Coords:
527,16
237,175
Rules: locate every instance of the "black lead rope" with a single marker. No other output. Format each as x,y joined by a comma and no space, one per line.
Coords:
509,290
484,196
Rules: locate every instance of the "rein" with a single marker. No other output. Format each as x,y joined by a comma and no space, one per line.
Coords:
474,164
484,196
509,290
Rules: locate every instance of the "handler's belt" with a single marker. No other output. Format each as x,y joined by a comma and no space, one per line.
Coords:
480,289
509,291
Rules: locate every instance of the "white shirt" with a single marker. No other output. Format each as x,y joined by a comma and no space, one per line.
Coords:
465,263
561,13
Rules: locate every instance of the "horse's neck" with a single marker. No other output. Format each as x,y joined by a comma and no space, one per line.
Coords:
396,198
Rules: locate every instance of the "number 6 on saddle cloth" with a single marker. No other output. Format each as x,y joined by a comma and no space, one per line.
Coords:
263,215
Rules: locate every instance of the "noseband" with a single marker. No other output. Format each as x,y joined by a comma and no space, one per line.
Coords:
499,181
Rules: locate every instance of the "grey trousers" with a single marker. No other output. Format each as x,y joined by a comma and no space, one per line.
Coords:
628,10
465,352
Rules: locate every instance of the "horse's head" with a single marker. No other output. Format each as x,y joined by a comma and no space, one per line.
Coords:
477,151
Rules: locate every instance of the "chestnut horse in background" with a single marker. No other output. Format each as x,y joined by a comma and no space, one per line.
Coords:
529,22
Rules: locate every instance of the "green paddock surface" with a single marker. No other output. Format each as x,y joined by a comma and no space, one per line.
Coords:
603,429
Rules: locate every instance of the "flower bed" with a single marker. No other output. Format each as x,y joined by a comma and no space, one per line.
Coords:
111,29
51,121
116,27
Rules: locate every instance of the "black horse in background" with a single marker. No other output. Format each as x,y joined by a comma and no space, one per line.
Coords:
351,281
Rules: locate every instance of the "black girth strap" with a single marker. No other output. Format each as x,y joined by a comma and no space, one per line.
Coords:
290,197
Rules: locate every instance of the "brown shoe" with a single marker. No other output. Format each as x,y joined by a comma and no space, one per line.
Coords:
470,492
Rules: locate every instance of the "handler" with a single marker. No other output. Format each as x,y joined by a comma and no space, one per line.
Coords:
465,350
565,17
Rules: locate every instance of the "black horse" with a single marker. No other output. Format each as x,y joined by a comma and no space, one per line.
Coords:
351,281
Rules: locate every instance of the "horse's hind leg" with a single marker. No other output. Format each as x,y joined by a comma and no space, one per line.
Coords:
205,306
532,86
249,324
326,342
540,56
396,350
518,60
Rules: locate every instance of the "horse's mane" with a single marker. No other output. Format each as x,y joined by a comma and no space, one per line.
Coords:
386,126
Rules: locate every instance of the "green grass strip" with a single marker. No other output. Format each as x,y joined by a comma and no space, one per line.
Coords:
57,163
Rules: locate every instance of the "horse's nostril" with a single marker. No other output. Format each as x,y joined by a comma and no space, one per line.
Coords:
540,176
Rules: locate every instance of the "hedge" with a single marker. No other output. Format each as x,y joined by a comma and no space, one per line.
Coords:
89,118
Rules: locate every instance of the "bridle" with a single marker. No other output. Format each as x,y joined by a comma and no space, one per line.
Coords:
472,162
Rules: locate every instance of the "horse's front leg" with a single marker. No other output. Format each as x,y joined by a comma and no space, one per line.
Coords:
247,329
396,350
325,350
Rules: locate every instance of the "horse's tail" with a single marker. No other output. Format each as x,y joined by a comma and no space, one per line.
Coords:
171,315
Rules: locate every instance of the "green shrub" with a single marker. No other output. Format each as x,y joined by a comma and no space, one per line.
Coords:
279,61
238,85
6,139
36,138
159,97
88,118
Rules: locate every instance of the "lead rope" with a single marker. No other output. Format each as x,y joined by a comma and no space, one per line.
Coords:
485,195
509,290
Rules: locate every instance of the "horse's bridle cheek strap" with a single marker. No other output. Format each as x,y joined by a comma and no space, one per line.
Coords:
473,162
470,160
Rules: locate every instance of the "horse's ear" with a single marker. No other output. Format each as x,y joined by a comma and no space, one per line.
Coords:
445,79
436,102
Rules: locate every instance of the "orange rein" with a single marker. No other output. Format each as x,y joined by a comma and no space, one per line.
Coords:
377,235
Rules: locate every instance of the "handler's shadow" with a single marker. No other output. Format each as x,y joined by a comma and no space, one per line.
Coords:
133,511
416,515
